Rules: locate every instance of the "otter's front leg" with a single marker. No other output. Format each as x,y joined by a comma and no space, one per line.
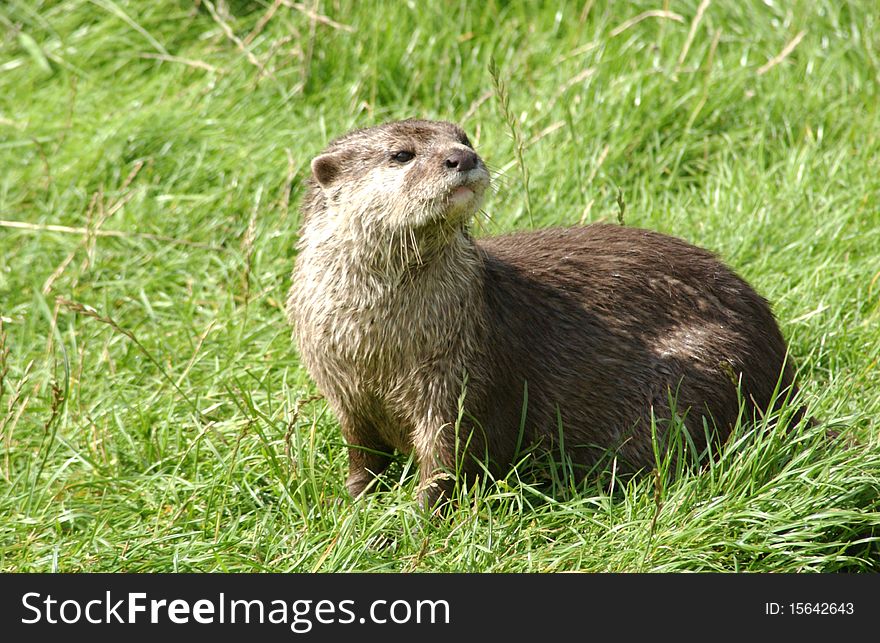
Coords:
363,467
368,455
447,452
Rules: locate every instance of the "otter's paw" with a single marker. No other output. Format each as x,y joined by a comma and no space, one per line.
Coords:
357,483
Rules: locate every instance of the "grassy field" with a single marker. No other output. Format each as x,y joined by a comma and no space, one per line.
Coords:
153,413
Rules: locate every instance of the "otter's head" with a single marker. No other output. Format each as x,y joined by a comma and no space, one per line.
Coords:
396,178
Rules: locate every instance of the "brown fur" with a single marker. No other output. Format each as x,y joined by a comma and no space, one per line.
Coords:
398,310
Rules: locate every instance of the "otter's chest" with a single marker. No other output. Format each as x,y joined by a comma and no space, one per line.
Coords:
375,329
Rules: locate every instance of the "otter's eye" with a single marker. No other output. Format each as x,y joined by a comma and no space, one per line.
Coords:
464,140
402,156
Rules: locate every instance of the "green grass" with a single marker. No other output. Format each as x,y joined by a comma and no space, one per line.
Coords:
155,418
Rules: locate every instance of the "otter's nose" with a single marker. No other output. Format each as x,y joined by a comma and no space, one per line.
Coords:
461,159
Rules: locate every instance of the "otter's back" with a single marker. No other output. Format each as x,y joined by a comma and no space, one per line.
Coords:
605,322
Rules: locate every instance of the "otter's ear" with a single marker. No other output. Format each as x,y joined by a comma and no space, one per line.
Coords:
325,169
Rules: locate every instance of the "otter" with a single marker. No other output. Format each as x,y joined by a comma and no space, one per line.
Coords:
463,352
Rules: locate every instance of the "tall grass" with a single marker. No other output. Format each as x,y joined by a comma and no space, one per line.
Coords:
153,413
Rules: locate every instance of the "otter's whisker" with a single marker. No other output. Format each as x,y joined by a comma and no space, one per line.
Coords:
415,246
